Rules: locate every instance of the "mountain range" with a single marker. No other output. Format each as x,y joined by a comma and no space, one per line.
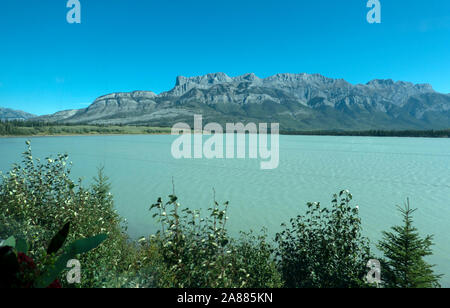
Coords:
7,114
296,101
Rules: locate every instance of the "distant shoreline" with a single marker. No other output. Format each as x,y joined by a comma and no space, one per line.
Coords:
377,133
80,135
18,129
385,134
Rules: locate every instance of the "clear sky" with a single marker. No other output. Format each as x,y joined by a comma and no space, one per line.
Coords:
47,65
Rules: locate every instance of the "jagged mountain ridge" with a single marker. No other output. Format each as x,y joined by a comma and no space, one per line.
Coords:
296,101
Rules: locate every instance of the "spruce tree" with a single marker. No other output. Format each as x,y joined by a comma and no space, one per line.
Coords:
405,250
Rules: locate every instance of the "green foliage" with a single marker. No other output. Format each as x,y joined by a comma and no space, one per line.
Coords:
33,128
256,254
70,252
196,252
38,197
30,128
58,240
324,248
10,241
405,251
21,246
26,274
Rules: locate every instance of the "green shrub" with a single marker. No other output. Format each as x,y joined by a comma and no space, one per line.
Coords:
256,255
37,198
324,248
195,252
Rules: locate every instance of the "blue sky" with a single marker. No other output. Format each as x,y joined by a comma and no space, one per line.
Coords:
47,65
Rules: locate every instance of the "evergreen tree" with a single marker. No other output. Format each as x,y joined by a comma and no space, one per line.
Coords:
405,251
101,188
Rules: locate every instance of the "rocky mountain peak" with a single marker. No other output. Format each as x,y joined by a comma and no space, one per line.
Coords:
205,80
249,77
389,83
425,87
123,95
381,82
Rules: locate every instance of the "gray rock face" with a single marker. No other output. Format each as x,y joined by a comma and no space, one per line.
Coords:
7,114
296,101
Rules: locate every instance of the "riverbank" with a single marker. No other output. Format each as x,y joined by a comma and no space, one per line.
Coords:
47,130
30,129
377,133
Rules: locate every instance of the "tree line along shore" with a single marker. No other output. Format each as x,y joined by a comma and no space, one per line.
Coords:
29,128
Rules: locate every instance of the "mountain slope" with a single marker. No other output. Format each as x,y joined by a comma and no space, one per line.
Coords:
296,101
7,114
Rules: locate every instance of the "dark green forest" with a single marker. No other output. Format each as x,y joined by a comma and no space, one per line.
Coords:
30,128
